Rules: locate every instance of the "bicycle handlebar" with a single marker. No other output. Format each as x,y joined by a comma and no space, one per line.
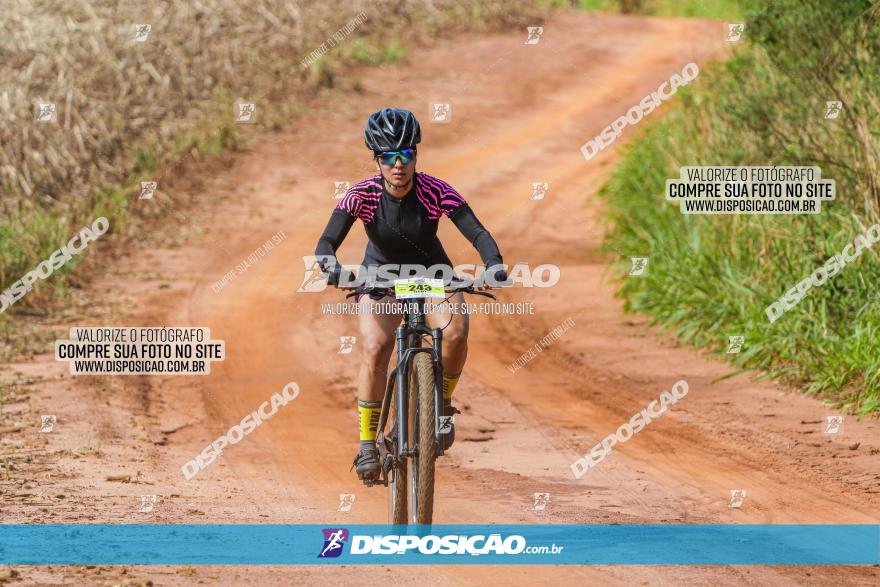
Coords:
469,289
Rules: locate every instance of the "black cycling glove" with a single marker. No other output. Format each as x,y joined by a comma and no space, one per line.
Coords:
495,275
333,275
339,274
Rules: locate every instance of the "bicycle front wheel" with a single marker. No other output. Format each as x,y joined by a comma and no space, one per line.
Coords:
398,513
399,507
423,466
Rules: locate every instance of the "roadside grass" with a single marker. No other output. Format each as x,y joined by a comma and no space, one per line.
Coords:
728,10
712,276
364,52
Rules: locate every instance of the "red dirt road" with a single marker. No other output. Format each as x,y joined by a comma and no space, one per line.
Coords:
520,113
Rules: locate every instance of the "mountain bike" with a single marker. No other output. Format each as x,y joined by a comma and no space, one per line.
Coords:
413,404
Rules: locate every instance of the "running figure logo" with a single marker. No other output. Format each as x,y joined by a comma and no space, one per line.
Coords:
446,423
737,496
735,344
141,32
314,279
541,501
734,32
833,108
47,423
639,265
340,188
334,540
539,190
45,112
346,500
346,344
147,503
833,424
148,189
245,112
441,112
535,33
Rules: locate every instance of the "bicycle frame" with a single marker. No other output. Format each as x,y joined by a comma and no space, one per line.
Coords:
414,325
408,335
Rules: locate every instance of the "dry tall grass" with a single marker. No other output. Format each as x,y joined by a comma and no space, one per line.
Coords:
122,103
128,109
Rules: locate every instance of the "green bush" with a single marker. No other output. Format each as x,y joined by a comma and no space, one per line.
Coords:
718,9
712,276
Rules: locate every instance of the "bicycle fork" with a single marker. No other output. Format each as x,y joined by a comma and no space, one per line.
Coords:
404,365
402,393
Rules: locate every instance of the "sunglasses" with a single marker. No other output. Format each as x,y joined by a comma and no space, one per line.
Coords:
390,157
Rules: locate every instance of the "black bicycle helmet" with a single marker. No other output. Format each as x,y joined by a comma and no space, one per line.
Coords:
392,129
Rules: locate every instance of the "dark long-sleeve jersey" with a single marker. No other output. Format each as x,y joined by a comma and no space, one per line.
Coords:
404,231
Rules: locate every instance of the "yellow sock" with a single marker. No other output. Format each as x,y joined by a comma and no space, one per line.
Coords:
368,416
449,383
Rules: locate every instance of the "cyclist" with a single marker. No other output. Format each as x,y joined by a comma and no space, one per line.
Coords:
400,209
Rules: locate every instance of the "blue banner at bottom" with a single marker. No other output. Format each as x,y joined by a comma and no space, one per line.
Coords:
258,544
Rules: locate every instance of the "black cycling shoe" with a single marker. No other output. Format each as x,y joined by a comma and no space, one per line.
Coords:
447,439
366,462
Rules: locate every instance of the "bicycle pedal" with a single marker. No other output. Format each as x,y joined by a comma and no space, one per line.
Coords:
386,444
387,465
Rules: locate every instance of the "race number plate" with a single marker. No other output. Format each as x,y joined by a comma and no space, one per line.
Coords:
418,287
